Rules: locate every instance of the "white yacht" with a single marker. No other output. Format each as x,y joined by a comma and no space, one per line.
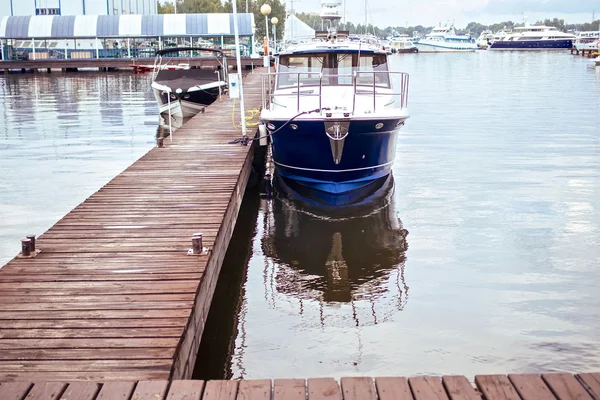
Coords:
444,39
333,111
587,40
535,37
485,39
403,44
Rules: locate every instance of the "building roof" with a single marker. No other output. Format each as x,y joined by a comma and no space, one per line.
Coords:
108,26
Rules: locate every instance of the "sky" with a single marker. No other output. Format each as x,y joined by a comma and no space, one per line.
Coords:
385,13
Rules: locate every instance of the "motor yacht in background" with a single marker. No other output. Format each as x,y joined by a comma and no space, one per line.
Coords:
403,44
485,39
587,41
444,39
183,91
535,37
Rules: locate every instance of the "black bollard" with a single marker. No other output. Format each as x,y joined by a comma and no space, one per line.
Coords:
197,243
25,246
32,243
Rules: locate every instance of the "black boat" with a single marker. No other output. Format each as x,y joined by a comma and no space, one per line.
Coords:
182,90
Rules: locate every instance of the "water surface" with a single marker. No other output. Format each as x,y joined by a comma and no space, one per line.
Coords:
497,180
62,137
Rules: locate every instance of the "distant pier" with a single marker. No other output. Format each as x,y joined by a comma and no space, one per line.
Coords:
586,53
121,286
105,64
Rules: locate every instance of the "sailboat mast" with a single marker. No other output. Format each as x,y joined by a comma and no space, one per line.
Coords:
366,20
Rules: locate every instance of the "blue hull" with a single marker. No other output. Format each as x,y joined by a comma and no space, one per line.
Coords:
307,154
532,45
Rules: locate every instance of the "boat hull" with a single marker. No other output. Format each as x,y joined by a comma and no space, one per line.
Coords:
310,157
406,50
186,104
432,48
532,45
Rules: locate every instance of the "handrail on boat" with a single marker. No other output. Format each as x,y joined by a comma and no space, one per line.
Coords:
269,80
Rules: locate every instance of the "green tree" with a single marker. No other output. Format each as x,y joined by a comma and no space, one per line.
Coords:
166,8
199,6
277,10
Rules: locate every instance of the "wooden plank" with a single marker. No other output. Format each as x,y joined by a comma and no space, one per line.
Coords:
393,388
566,387
591,381
94,314
496,387
185,390
46,391
254,390
358,388
289,389
116,391
80,365
459,388
530,387
81,391
323,389
14,390
220,390
14,344
150,390
89,333
94,323
427,388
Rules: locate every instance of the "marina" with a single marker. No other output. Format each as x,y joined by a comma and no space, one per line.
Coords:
184,236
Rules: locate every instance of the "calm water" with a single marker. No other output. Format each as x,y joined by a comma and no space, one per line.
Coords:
496,181
62,137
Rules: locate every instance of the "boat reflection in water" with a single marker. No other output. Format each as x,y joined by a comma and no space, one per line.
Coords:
349,261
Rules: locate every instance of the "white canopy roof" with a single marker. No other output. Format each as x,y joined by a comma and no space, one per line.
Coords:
294,29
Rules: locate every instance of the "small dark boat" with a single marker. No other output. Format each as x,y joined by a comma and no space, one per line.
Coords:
182,90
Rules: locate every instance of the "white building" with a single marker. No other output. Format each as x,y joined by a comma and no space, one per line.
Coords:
76,7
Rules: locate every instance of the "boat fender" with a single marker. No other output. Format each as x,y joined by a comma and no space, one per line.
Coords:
262,134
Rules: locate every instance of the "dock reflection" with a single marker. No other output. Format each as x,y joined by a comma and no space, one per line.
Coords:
355,257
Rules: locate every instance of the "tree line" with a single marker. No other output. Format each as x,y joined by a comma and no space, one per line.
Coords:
473,28
215,6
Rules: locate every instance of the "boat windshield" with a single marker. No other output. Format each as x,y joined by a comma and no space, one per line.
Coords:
337,69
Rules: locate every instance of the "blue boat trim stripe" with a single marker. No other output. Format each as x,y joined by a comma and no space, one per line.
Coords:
332,170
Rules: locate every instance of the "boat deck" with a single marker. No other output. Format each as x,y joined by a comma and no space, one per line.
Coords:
488,387
113,294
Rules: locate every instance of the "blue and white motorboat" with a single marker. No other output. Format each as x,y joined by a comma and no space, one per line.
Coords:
535,37
444,39
333,111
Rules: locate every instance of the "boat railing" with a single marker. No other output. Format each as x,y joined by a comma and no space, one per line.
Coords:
271,79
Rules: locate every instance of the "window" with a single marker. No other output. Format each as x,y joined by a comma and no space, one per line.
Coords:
338,68
47,11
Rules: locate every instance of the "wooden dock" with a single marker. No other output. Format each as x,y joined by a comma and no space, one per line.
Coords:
119,63
113,294
488,387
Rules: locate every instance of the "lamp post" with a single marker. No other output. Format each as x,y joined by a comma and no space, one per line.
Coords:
252,39
265,10
274,21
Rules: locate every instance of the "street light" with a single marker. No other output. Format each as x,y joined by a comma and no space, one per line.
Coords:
274,21
265,10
